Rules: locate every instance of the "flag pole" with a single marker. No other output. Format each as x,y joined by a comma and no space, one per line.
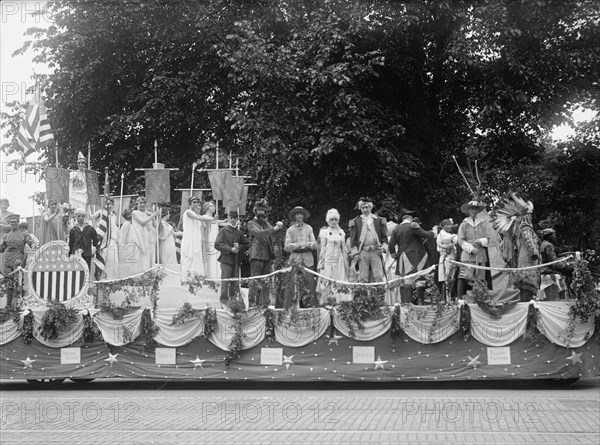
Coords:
217,157
194,165
230,160
121,199
89,155
155,151
56,155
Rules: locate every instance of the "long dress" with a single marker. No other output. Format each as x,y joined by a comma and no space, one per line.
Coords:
52,230
109,246
212,267
168,254
127,251
191,247
332,263
139,236
77,190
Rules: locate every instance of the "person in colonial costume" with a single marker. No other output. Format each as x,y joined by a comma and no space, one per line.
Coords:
519,242
142,225
192,261
210,230
300,242
332,257
446,246
13,248
166,239
231,242
553,278
408,248
78,185
29,250
368,242
474,235
83,238
261,252
51,223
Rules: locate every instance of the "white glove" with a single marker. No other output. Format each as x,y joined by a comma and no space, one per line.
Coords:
454,239
468,247
483,242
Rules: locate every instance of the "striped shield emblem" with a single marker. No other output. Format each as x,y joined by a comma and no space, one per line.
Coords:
53,276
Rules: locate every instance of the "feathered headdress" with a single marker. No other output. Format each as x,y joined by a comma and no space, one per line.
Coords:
508,210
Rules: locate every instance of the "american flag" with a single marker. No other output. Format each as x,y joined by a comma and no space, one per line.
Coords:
35,132
103,230
56,277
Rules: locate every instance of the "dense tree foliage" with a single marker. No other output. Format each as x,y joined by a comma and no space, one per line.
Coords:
324,101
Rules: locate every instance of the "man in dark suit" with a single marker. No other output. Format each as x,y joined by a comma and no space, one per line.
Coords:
407,246
230,242
368,241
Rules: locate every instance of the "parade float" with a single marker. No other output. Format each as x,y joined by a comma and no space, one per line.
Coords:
151,326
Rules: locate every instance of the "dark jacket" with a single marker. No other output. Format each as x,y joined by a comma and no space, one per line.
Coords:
83,239
356,229
261,245
224,242
410,241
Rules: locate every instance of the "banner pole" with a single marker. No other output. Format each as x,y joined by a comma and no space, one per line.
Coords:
121,200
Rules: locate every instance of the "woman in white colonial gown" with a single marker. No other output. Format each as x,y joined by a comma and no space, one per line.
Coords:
142,227
332,258
192,262
210,229
166,237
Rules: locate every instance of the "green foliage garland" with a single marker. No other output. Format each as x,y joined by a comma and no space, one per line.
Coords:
149,328
8,313
367,302
237,341
57,317
531,331
26,327
185,313
396,329
211,326
135,289
270,322
587,298
88,328
465,321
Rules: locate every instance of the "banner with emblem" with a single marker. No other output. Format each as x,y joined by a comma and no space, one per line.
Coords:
219,179
158,185
57,184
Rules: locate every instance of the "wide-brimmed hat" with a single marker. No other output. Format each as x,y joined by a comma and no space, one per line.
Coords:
547,231
472,205
233,214
13,216
298,209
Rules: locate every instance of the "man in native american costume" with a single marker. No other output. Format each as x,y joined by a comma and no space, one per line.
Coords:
519,242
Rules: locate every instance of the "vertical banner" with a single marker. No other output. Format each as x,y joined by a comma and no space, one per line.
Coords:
57,184
243,200
218,182
185,195
232,194
93,190
126,201
158,185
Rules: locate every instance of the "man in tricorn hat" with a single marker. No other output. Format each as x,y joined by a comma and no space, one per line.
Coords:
474,235
368,241
411,252
300,241
13,248
261,250
230,242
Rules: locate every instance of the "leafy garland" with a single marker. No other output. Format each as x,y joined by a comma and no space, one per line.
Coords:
185,314
271,318
531,333
8,313
88,328
11,282
367,302
136,288
237,341
149,328
465,321
56,317
26,327
485,301
587,298
396,329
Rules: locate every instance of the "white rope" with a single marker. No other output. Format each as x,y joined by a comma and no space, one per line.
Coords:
257,277
510,269
157,266
382,283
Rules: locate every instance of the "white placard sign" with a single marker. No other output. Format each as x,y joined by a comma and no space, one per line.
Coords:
165,356
498,356
271,356
70,356
363,354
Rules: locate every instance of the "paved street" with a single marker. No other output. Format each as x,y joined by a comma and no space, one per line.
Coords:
129,412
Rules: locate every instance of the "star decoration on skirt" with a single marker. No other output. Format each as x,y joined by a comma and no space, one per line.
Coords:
379,363
27,362
334,339
287,361
575,358
112,358
474,362
197,363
